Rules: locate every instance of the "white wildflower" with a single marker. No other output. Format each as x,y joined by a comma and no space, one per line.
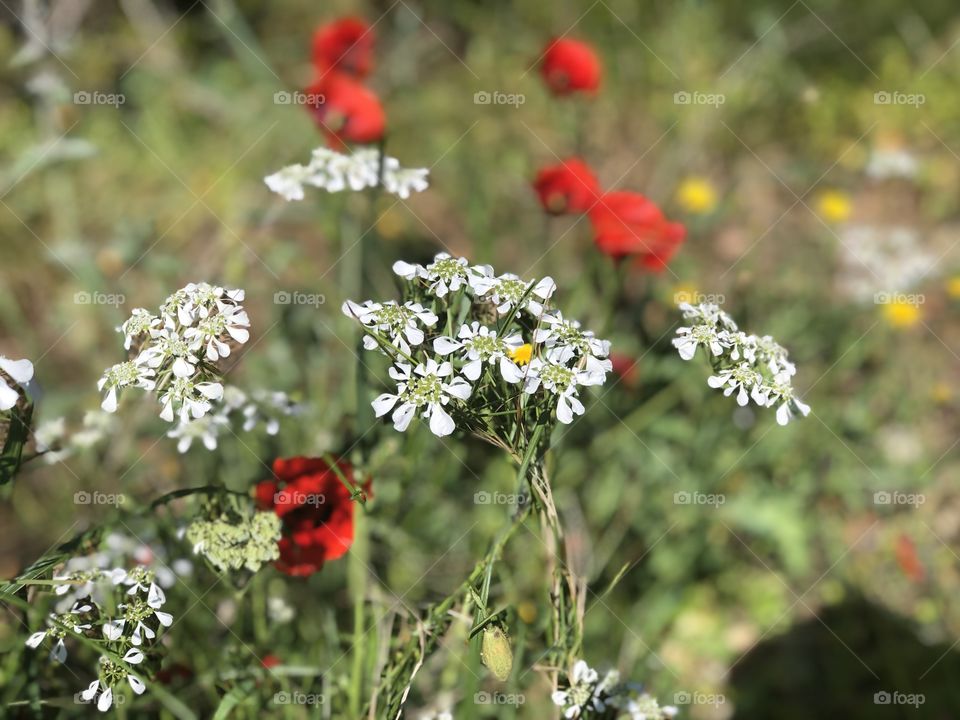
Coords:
427,389
508,291
478,345
140,324
559,332
553,374
399,324
120,376
445,274
333,171
749,366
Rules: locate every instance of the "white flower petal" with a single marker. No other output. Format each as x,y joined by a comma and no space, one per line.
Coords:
402,416
384,403
441,424
20,370
105,701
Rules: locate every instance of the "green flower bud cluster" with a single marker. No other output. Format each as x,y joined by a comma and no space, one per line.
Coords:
234,542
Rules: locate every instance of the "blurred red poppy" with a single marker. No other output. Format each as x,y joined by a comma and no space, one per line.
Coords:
627,368
344,45
315,508
629,224
570,66
345,110
270,661
569,187
908,559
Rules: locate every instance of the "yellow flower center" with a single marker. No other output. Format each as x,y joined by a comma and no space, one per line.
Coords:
522,355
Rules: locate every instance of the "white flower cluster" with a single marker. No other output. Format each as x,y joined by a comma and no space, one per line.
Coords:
755,368
500,346
176,351
334,172
237,408
881,260
892,163
127,626
586,695
56,443
17,371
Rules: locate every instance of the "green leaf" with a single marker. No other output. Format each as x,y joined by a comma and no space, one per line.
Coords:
18,432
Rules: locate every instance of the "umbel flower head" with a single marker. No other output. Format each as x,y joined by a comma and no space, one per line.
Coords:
174,353
479,350
248,411
751,367
232,541
586,694
333,171
126,622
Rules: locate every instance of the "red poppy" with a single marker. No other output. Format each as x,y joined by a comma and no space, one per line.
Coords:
316,510
570,66
628,224
908,559
270,661
626,367
569,187
346,110
345,45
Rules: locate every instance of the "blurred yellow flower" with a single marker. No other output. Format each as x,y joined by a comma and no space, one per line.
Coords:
941,393
953,287
527,612
900,314
697,195
685,292
834,206
521,356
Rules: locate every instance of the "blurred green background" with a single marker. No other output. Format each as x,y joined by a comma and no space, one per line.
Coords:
801,594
